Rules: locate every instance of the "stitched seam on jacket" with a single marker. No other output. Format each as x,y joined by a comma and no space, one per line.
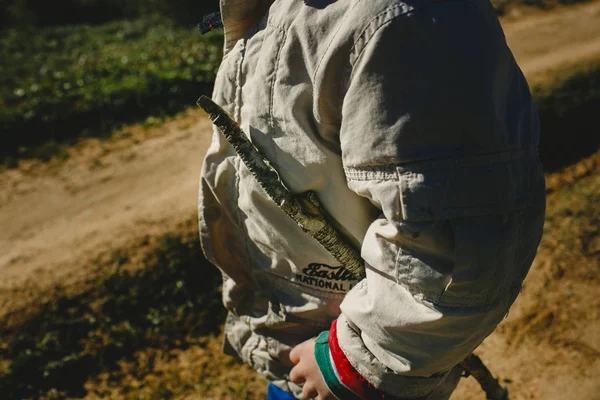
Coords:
391,172
376,173
237,102
272,94
239,216
314,78
349,71
237,161
403,10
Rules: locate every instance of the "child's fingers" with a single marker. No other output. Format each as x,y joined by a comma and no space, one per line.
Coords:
297,375
295,355
299,350
309,390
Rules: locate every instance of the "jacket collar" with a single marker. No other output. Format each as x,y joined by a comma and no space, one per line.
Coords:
239,16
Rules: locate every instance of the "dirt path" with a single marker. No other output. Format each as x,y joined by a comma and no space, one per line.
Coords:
557,39
53,220
56,219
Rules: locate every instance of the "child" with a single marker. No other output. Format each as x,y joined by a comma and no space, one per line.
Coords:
414,126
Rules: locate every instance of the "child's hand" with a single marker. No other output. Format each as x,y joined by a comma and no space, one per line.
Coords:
307,371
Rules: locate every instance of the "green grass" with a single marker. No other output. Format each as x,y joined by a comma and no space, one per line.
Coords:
46,13
172,300
59,84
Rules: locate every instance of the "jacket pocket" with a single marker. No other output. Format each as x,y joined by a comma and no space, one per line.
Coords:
481,203
470,186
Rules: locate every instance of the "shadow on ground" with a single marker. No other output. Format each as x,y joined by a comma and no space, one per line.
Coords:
174,297
568,109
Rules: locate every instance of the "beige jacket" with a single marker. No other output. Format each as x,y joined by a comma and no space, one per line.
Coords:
415,127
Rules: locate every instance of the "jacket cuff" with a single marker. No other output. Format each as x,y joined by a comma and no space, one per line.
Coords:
399,385
329,371
339,375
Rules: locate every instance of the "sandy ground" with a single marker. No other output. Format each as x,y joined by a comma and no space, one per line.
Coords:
56,217
554,40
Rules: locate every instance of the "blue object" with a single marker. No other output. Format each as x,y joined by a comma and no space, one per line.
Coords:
275,393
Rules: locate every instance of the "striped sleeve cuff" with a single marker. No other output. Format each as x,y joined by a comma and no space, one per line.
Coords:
329,371
340,376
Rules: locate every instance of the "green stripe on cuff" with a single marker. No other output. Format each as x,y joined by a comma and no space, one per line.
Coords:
324,362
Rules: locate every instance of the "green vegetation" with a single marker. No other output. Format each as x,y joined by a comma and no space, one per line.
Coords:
568,106
63,12
61,83
165,305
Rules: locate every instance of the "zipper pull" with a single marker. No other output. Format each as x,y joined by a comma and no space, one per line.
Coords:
210,22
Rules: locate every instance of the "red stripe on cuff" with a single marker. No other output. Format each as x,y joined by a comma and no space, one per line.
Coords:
349,376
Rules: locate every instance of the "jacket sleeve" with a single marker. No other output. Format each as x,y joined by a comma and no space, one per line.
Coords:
435,121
